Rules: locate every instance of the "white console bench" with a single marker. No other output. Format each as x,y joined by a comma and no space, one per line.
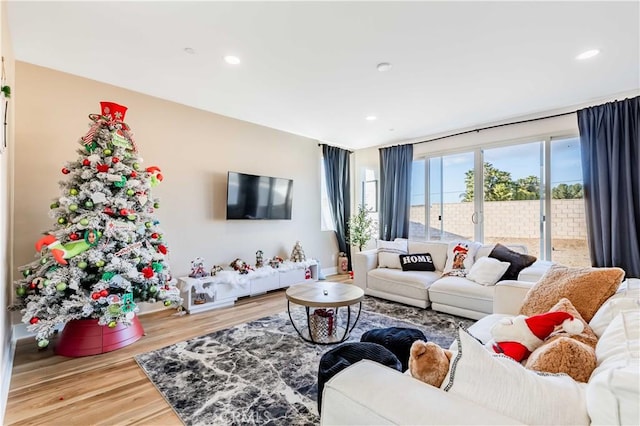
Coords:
224,288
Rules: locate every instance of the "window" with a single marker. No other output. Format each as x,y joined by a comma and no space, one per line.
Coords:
527,193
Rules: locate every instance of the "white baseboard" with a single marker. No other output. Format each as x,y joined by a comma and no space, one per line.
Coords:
7,364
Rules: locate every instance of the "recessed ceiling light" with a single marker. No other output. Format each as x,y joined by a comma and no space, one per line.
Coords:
588,54
189,50
371,118
233,60
384,66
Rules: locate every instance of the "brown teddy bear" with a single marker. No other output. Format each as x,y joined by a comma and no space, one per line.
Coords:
428,362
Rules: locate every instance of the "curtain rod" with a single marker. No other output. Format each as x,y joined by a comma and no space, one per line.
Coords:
495,126
350,152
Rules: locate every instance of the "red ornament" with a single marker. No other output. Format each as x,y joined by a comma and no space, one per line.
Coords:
32,285
102,168
34,320
162,249
104,293
107,210
115,159
74,236
65,171
95,296
147,272
155,235
133,174
124,212
86,162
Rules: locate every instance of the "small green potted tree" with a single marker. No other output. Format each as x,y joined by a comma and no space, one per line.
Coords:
360,229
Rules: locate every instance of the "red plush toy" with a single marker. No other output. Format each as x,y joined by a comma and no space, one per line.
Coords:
517,337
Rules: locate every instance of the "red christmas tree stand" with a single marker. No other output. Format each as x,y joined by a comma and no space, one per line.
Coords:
85,337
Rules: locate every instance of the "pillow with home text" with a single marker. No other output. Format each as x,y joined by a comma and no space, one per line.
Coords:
417,262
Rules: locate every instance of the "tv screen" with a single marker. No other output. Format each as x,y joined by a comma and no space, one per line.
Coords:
258,197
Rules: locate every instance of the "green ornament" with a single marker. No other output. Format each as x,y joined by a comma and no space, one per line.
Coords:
167,303
73,191
148,224
61,286
130,192
100,263
121,183
43,343
107,151
82,265
62,220
84,222
26,273
21,291
44,260
156,266
156,205
112,324
114,309
73,207
54,206
153,289
131,217
108,275
88,204
136,166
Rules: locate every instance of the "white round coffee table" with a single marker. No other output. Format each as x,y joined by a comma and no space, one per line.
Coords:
325,295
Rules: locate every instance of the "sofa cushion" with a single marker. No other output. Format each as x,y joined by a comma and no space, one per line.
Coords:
460,257
417,262
462,293
502,384
411,284
614,387
587,288
487,271
517,261
438,250
626,298
389,253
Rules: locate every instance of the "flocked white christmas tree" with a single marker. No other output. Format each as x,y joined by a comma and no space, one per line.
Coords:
106,251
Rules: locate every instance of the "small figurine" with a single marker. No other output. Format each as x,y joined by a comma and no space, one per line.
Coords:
215,269
241,266
297,254
197,268
259,259
275,262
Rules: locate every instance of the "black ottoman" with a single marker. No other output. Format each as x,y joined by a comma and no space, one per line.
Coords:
397,339
339,358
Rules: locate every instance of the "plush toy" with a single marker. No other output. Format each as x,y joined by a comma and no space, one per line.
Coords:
241,266
518,336
61,252
428,362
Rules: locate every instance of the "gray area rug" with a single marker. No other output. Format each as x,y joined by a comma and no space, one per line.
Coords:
262,372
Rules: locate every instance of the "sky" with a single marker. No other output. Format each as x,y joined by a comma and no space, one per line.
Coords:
520,160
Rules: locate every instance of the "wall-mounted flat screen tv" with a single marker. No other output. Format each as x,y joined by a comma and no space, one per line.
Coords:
258,197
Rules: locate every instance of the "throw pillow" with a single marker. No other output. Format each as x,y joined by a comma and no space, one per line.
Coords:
564,355
487,270
517,260
389,253
460,257
417,262
587,288
504,385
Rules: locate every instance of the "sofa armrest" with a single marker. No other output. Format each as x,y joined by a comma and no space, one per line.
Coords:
363,262
371,393
535,271
509,295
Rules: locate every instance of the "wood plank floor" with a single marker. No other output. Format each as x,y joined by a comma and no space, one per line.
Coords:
110,389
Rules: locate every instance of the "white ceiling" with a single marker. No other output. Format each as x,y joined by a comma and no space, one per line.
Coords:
309,68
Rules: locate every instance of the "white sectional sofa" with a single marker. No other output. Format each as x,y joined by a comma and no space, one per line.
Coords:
453,295
368,393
